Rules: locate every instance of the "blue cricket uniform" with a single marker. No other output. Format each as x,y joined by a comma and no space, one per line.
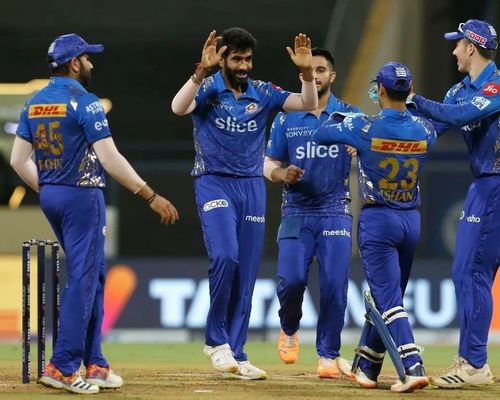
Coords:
62,121
229,139
392,147
316,221
474,107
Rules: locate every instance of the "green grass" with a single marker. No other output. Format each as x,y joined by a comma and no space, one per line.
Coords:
160,371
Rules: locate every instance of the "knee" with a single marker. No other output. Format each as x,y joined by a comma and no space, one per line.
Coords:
293,283
225,258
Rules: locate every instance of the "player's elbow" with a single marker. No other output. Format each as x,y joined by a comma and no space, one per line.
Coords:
176,109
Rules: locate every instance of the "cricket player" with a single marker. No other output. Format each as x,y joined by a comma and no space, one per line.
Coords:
229,112
316,221
392,148
66,127
473,107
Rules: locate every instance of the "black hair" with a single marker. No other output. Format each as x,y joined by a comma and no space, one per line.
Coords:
236,39
317,51
485,53
397,95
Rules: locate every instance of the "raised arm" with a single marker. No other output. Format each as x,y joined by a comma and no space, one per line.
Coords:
120,169
184,101
301,56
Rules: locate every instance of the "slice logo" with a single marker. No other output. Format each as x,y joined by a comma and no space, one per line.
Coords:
399,146
47,110
120,285
491,89
219,203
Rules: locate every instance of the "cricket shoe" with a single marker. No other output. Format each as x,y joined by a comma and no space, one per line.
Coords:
222,358
415,379
461,373
103,377
333,368
366,379
288,347
246,371
74,383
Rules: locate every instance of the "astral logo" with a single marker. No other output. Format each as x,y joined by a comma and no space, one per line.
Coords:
210,205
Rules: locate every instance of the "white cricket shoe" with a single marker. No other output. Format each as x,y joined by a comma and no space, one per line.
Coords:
222,358
363,380
460,373
73,383
415,379
103,377
246,371
345,367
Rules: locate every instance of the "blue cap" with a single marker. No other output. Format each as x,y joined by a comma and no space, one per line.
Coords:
65,47
395,76
478,32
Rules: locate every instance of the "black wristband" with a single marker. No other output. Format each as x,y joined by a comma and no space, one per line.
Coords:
153,196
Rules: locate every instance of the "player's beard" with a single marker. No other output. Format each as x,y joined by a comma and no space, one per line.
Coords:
235,81
323,89
85,77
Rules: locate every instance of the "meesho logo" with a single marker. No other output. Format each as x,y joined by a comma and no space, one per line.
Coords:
337,232
470,218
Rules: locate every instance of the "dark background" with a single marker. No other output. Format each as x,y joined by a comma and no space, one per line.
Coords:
150,51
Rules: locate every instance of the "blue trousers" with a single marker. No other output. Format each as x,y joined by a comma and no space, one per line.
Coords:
387,240
476,261
232,213
299,240
78,218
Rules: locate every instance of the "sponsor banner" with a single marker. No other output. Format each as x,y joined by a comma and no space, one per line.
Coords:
173,294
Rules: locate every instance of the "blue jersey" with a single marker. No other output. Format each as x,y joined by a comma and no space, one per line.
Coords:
392,147
229,133
475,108
62,121
324,188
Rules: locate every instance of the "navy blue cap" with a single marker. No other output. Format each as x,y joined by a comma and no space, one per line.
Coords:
65,47
478,32
395,76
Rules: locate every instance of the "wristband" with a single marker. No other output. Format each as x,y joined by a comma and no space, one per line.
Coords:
151,199
195,79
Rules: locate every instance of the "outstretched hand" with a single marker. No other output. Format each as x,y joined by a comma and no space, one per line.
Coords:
301,55
165,209
210,56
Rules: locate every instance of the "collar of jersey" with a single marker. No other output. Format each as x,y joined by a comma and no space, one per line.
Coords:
331,106
391,112
483,76
63,81
221,87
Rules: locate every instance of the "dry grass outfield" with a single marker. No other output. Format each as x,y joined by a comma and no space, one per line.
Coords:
180,371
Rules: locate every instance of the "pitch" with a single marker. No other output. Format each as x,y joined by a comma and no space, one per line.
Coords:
180,371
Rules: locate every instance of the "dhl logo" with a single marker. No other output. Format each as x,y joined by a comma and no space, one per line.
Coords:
399,146
47,110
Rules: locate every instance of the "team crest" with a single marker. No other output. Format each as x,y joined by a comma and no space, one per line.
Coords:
251,108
